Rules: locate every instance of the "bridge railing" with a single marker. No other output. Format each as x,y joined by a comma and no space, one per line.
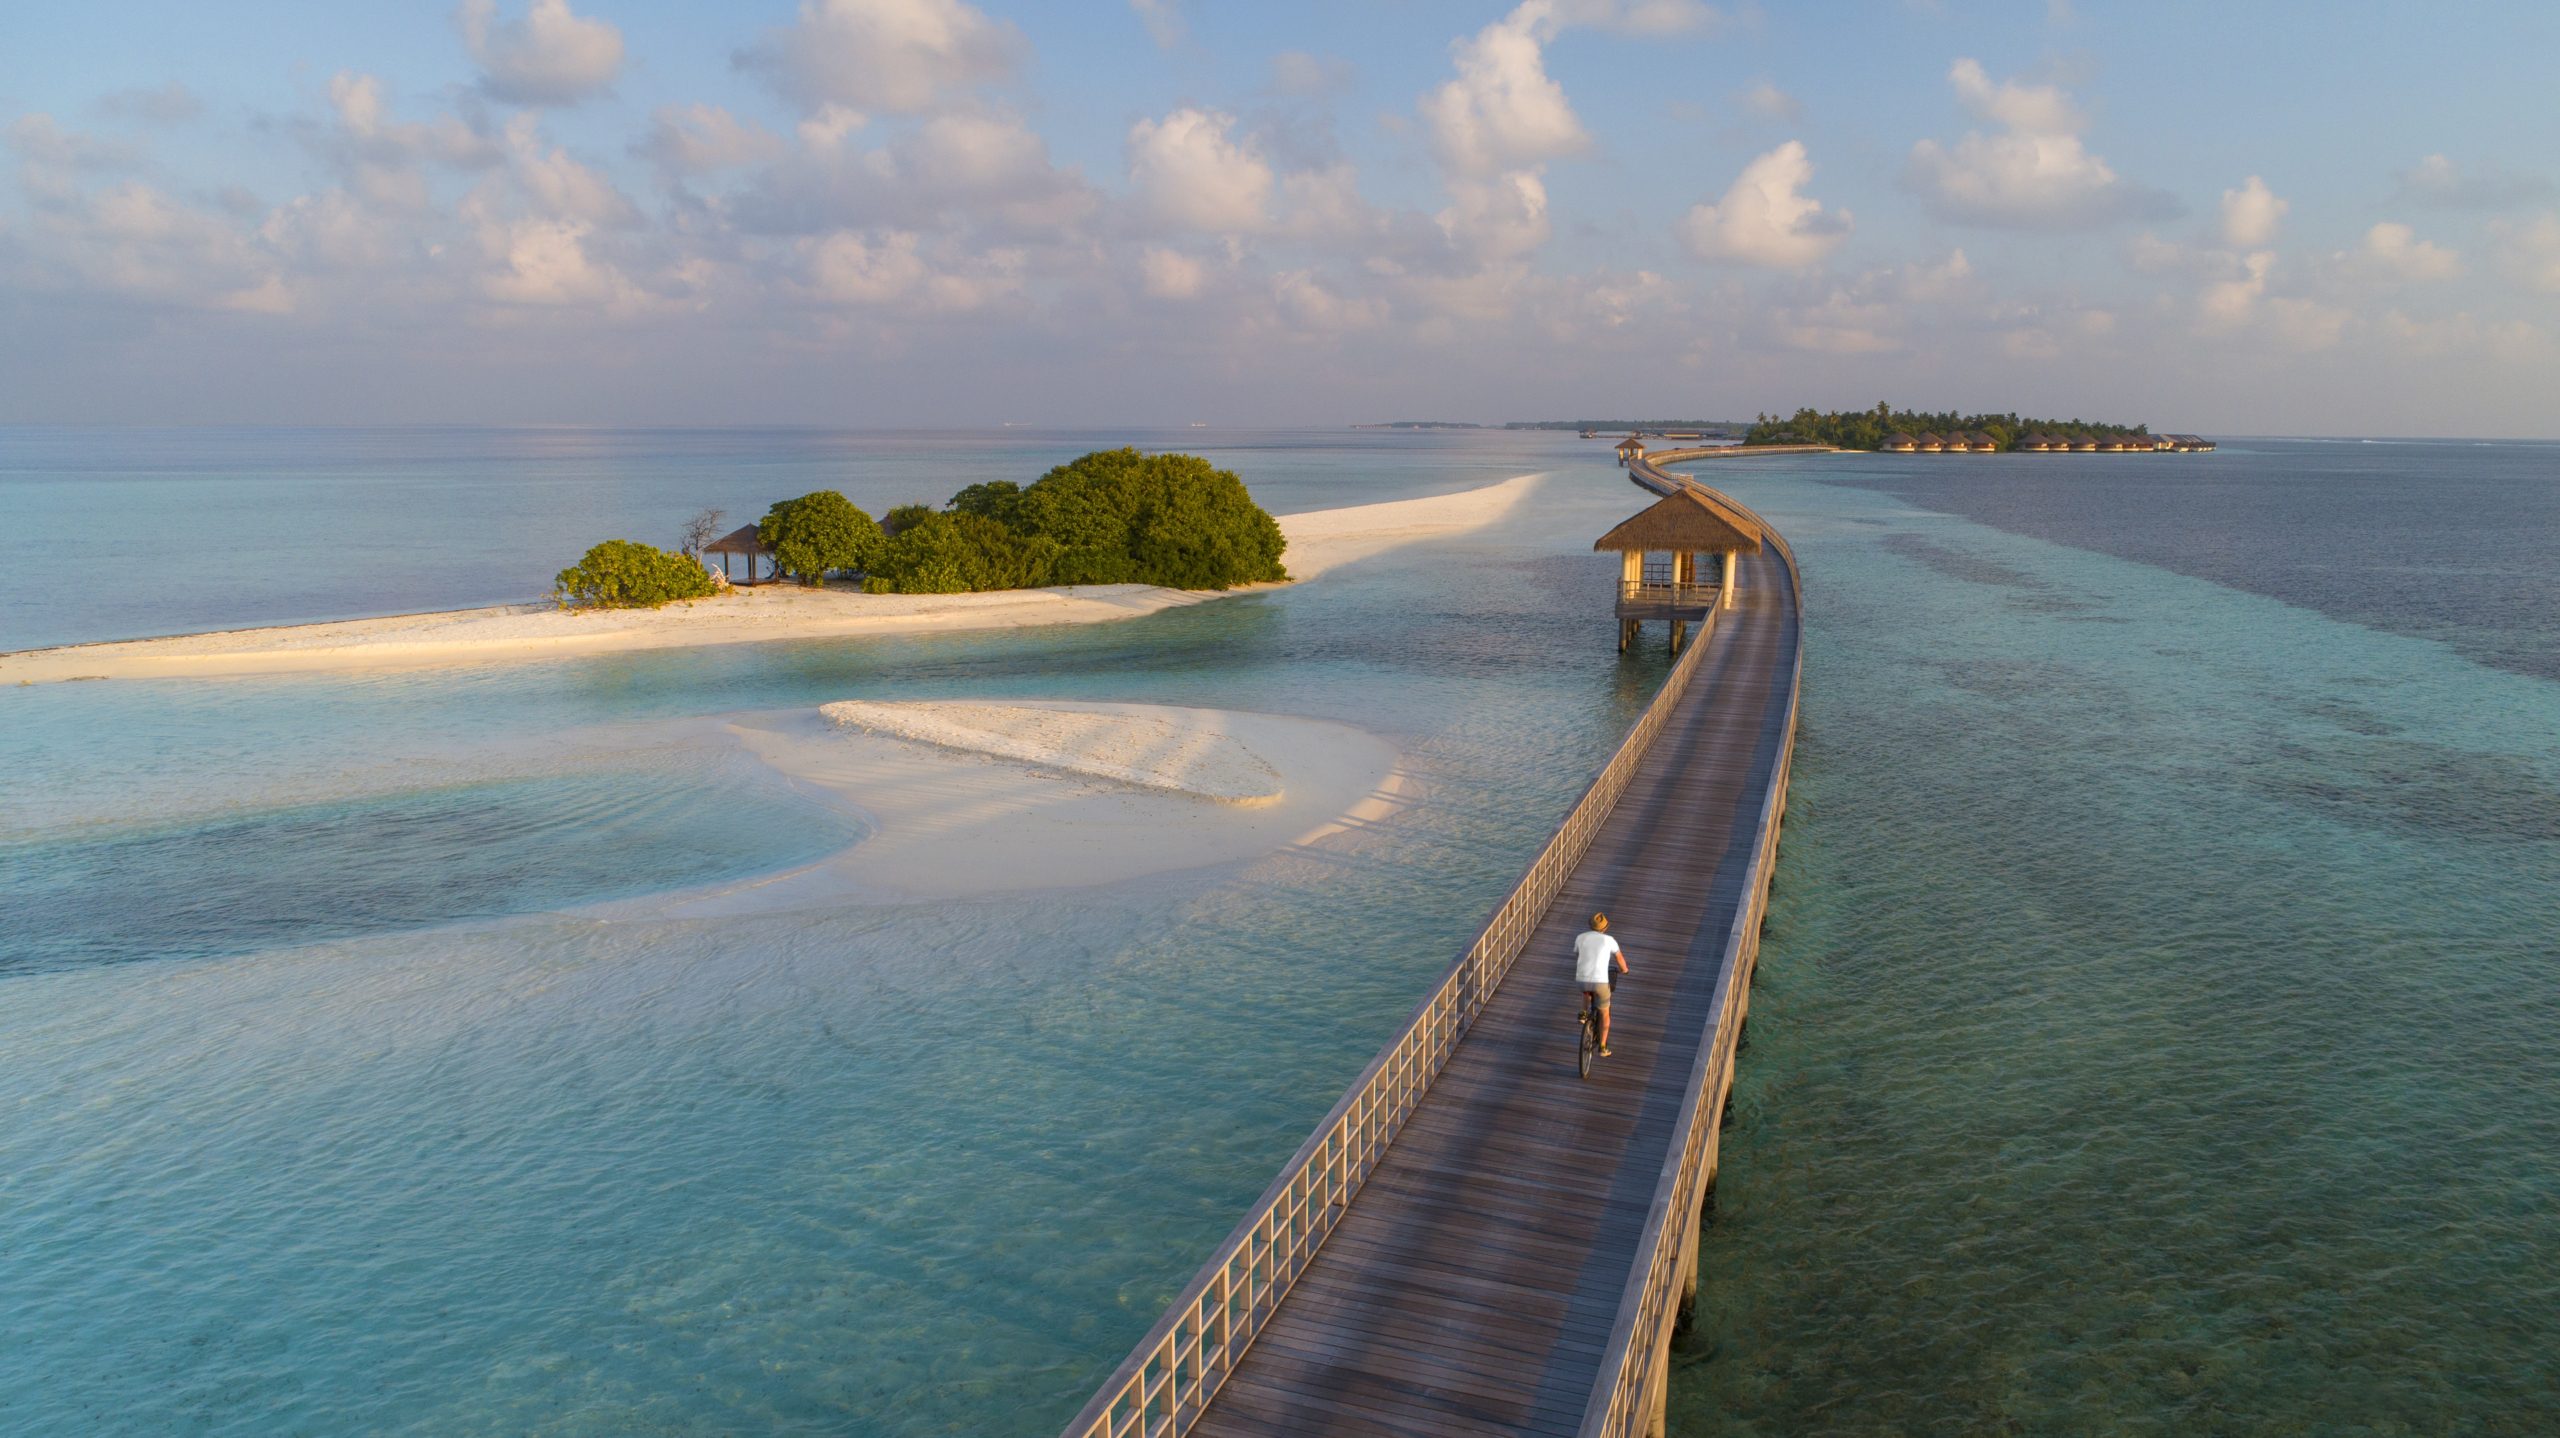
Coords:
1162,1388
1635,1367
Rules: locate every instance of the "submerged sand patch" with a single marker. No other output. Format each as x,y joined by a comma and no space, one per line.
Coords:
1181,751
948,823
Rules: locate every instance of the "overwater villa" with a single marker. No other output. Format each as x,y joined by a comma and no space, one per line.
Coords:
1663,546
1901,443
1929,444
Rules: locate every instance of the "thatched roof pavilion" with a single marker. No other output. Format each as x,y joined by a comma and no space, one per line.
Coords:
1629,448
741,541
1660,575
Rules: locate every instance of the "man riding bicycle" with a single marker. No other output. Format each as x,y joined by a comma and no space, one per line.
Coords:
1592,954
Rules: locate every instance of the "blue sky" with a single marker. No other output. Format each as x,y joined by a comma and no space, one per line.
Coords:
2269,219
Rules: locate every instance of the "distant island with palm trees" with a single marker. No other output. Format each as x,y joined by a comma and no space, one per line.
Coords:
1948,432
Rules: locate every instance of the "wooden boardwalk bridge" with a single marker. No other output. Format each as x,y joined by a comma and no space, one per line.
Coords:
1476,1240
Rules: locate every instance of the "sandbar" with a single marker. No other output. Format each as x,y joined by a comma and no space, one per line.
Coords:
947,823
1319,540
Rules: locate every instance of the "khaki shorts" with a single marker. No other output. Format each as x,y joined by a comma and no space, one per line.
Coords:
1599,992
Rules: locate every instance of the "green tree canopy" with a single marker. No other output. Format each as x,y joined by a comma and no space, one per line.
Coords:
904,516
1870,428
955,553
1121,517
625,574
818,532
997,499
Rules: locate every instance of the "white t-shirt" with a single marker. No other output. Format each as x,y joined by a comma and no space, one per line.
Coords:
1591,955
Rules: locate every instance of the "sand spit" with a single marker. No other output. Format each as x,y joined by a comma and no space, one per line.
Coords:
945,824
1183,752
1318,541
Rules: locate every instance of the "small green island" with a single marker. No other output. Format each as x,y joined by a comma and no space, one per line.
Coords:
1948,432
1111,517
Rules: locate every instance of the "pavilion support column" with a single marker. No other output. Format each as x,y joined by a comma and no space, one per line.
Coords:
1726,581
1679,632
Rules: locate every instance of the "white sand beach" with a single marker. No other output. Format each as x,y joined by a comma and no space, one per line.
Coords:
1318,541
1007,797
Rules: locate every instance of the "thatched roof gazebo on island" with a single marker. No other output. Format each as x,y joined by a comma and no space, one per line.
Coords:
1661,547
741,541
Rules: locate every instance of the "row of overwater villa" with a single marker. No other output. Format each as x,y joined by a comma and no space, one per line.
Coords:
1980,443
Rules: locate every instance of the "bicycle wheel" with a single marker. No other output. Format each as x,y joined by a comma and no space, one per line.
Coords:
1590,1044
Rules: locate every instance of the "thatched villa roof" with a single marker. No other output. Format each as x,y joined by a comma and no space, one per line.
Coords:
741,540
1696,520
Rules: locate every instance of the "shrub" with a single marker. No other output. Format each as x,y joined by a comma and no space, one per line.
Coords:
905,516
955,553
819,532
997,499
1121,517
623,574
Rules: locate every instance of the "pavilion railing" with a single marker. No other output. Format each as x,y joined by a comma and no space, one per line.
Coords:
1166,1383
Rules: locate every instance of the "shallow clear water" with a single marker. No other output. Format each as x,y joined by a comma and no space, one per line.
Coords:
462,1154
2152,1032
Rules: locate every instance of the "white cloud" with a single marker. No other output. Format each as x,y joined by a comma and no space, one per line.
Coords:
1499,219
560,188
698,139
549,57
1311,304
2228,304
2530,254
1950,279
2439,182
2035,174
897,57
1190,172
2034,109
545,263
1502,111
1165,22
1768,102
1171,275
2250,215
2396,251
1765,219
2242,303
891,270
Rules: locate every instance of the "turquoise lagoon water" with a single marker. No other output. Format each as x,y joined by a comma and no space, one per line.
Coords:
2152,1032
459,1152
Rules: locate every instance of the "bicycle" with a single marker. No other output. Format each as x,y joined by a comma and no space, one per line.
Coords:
1589,1048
